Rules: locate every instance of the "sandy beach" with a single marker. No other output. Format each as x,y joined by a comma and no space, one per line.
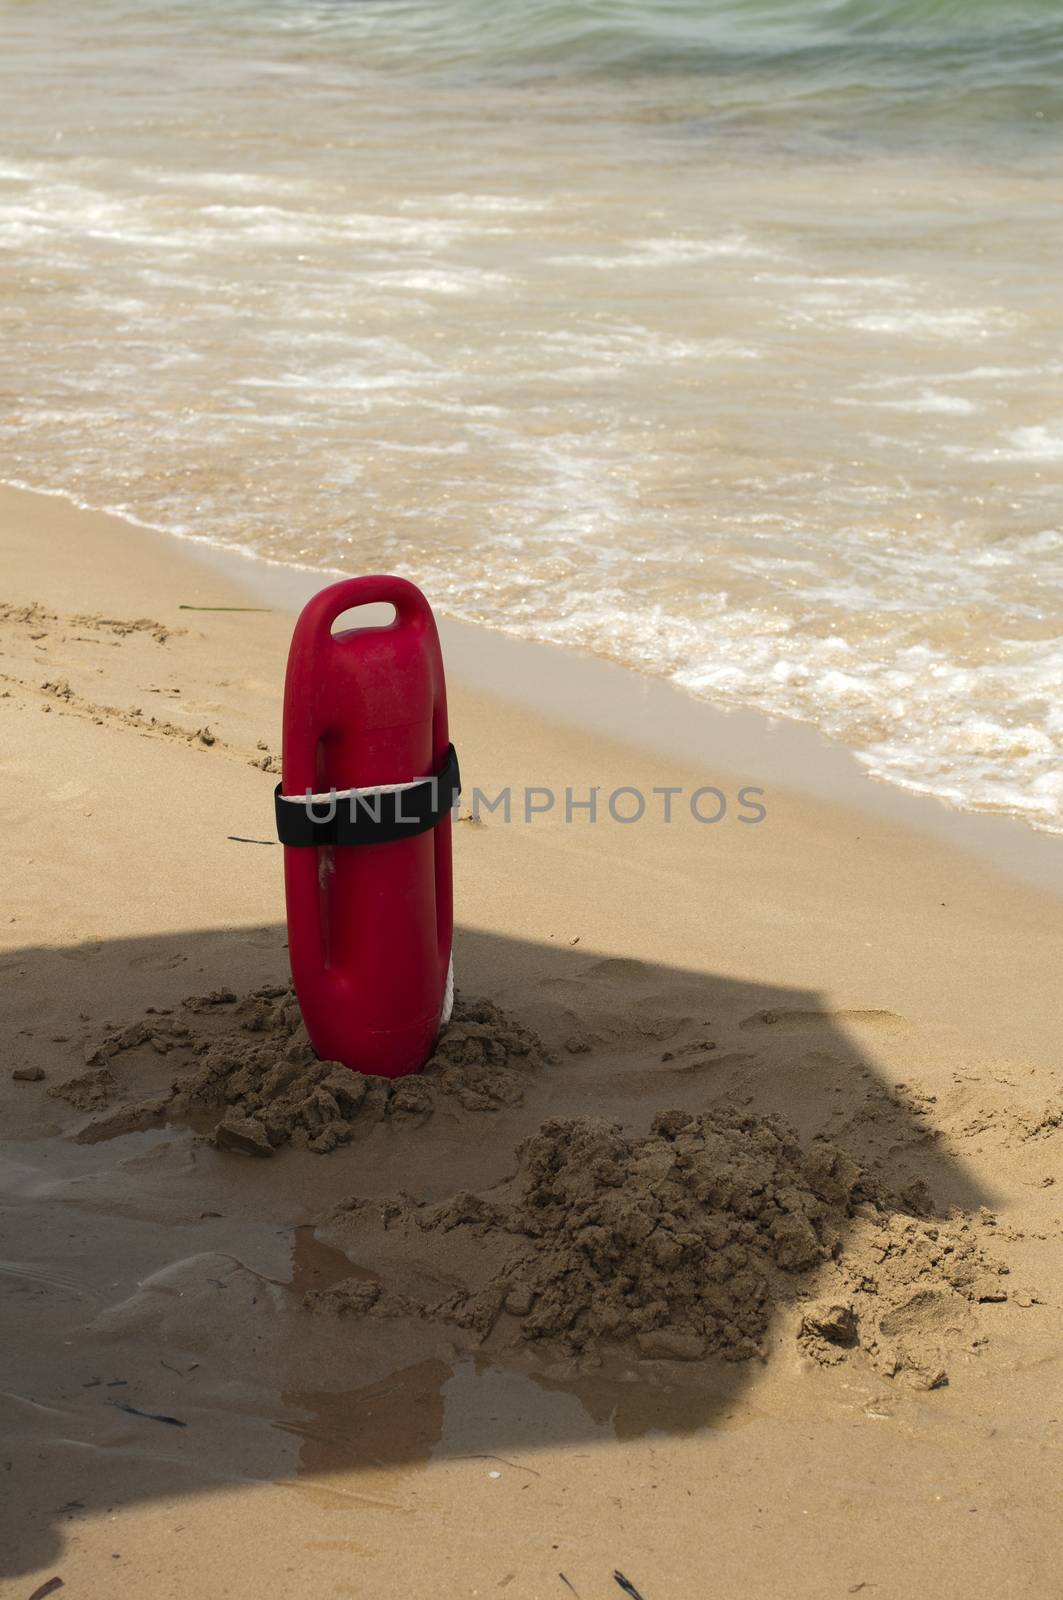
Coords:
385,1361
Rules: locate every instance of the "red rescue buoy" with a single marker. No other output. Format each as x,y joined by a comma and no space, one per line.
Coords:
363,810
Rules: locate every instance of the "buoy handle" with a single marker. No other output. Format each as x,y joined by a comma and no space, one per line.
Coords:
411,607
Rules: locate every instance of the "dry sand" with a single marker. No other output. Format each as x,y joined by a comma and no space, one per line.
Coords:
718,1247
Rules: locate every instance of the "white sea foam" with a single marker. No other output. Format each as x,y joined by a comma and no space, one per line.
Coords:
437,280
945,323
582,372
1039,442
299,224
676,252
632,345
501,204
236,182
929,402
851,285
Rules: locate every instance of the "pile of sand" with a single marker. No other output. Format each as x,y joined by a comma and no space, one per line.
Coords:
677,1245
250,1061
682,1244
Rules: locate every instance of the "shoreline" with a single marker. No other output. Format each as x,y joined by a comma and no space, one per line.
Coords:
621,704
819,842
867,985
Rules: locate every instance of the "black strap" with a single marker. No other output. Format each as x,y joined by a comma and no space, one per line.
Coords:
368,817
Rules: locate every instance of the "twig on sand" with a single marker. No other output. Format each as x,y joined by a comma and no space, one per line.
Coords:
181,1373
47,1588
152,1416
568,1585
224,608
518,1464
238,838
627,1586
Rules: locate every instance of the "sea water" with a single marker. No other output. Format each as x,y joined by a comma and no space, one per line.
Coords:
723,340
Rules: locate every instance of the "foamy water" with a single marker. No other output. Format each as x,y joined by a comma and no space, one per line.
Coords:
725,342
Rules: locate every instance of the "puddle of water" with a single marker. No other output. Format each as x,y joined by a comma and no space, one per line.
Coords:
145,1116
433,1410
394,1422
316,1265
628,1405
437,1405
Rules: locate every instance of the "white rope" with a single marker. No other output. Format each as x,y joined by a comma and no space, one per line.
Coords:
332,796
335,795
448,994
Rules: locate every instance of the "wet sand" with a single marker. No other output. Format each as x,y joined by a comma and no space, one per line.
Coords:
184,1411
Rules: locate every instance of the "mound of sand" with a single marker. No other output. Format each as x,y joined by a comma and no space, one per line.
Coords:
250,1060
682,1244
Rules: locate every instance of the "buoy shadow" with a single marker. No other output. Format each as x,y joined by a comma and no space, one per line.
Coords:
158,1344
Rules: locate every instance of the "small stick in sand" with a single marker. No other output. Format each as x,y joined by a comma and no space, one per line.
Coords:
47,1588
152,1416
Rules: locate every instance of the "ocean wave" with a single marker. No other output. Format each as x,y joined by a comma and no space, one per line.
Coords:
779,427
1004,54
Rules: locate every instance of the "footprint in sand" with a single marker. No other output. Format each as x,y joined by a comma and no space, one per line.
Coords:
805,1021
564,988
159,961
692,1065
264,938
619,969
654,1019
82,952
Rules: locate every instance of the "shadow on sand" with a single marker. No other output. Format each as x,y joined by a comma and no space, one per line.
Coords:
154,1340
